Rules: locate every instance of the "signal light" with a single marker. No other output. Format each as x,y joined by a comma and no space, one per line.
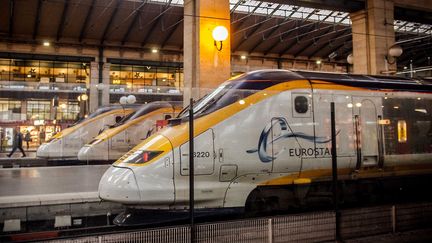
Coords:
149,155
141,157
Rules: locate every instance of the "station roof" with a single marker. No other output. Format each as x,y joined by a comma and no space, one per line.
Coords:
257,28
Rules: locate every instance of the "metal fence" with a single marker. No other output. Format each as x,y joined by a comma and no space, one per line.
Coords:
309,227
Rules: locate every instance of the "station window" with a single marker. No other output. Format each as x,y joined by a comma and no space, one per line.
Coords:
44,71
9,105
4,69
301,104
138,77
68,111
38,110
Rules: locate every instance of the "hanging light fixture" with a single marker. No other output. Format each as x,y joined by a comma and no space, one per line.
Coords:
220,33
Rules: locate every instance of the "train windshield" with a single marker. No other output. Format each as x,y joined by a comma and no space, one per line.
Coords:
94,114
141,112
228,93
185,111
124,119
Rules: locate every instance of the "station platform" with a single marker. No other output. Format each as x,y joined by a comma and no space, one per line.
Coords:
16,160
45,193
39,185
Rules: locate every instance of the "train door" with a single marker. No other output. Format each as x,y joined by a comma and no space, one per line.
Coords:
204,155
366,116
292,133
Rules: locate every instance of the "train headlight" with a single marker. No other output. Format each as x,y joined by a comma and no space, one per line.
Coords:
141,157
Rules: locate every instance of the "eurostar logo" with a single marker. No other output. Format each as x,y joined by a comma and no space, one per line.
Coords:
286,133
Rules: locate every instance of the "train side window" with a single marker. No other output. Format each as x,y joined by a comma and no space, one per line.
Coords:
301,104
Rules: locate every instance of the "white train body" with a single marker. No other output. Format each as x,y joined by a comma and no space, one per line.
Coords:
275,134
67,143
111,144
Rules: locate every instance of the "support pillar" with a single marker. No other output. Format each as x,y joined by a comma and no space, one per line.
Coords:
105,96
204,66
373,35
94,80
99,82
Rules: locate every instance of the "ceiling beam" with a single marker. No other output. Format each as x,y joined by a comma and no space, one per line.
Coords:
344,49
239,23
86,21
335,5
235,6
108,25
281,35
308,32
280,40
325,34
259,42
258,24
306,41
242,19
11,16
275,28
256,27
37,20
336,49
319,48
155,23
412,15
289,45
400,13
137,15
62,20
312,23
302,26
173,30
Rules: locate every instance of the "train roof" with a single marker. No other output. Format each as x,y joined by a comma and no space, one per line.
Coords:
355,80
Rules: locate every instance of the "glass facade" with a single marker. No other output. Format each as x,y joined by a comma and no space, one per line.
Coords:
41,93
38,110
29,89
10,109
44,71
68,111
137,78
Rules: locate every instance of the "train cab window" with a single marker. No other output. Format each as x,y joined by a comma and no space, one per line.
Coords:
301,104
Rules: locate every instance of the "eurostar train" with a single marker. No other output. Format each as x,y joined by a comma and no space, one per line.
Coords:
129,132
66,144
263,142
